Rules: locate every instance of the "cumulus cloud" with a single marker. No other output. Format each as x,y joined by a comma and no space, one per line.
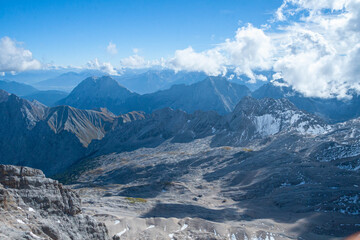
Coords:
313,45
15,58
318,54
134,61
102,66
111,48
250,50
212,62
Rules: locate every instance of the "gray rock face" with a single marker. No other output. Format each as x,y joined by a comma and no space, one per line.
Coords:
35,207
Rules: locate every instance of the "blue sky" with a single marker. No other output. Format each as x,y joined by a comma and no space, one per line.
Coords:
314,46
73,32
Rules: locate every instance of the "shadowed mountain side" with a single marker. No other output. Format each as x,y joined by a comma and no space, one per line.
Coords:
156,128
50,138
94,92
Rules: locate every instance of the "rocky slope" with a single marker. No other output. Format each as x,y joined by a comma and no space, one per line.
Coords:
47,138
35,207
265,171
252,119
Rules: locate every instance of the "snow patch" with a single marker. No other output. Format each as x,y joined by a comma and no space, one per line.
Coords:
20,221
184,227
267,125
35,236
121,233
151,226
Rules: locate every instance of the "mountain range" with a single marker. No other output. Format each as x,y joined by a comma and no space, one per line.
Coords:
261,159
48,97
213,93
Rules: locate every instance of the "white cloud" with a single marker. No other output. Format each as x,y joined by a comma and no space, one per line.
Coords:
249,50
15,58
111,48
318,54
212,62
102,66
134,61
315,49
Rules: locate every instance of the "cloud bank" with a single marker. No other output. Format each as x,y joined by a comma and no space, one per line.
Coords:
250,50
313,45
14,58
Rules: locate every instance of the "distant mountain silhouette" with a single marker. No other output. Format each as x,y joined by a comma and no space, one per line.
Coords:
213,93
20,89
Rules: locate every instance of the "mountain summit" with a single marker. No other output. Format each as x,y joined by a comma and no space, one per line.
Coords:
96,92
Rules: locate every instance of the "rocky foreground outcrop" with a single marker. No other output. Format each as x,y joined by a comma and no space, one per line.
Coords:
35,207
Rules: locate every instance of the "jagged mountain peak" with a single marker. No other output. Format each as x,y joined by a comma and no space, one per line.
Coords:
22,110
85,124
249,105
104,85
258,118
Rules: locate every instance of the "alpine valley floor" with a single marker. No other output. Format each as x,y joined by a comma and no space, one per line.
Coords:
194,191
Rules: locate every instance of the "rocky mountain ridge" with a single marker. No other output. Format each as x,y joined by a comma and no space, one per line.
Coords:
35,207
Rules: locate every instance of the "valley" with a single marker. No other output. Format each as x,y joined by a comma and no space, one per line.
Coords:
264,170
